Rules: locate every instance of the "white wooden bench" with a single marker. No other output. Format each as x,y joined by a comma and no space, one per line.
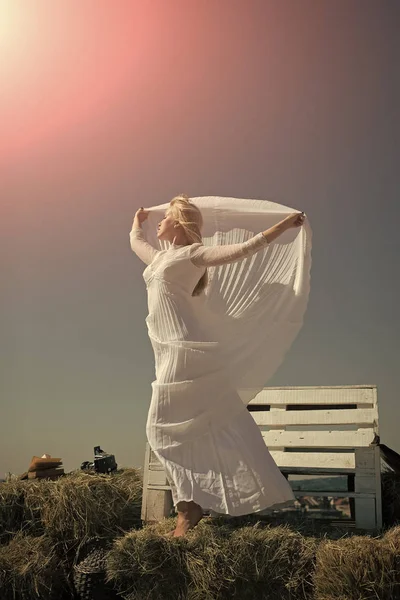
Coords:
309,431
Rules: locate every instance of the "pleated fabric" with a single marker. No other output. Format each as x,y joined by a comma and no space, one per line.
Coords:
215,352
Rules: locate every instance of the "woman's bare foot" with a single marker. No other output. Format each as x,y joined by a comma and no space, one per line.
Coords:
169,533
189,514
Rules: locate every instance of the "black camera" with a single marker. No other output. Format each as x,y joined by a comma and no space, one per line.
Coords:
102,463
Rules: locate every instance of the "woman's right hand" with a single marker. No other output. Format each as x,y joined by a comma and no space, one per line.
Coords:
140,216
294,220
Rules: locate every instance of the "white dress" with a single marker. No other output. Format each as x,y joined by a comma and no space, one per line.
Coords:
209,355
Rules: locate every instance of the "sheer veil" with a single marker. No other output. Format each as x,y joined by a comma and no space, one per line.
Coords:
255,307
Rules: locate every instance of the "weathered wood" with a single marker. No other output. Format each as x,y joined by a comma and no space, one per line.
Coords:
332,494
314,459
158,504
368,476
300,462
316,395
365,512
367,416
157,477
365,483
316,471
319,439
145,481
158,487
320,462
365,459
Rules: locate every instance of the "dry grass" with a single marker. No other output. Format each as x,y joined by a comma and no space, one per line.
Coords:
73,508
30,569
213,562
11,508
45,527
359,568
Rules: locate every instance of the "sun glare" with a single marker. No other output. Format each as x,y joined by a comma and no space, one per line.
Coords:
12,23
61,70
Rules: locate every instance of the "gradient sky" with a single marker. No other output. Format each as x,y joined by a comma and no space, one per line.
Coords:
108,106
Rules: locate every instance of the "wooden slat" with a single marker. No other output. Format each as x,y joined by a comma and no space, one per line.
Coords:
368,464
153,458
365,459
156,466
314,459
332,494
319,439
145,482
365,512
324,387
316,395
157,477
357,416
158,504
298,493
365,483
317,471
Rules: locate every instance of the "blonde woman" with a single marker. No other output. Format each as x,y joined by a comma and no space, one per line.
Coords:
210,446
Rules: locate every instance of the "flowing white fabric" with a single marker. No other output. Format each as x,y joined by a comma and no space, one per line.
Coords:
215,352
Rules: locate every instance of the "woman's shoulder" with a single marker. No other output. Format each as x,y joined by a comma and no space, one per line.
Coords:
194,248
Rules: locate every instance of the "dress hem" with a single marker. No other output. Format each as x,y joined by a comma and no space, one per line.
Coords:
247,511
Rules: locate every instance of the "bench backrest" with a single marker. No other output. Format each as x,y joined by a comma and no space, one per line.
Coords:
316,426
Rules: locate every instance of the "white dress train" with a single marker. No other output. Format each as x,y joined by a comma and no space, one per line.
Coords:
215,352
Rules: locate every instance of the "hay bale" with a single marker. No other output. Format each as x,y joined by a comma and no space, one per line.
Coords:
391,537
271,563
73,508
11,509
30,569
213,562
85,505
359,568
144,564
208,560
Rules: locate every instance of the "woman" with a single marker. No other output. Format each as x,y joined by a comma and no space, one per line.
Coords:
212,450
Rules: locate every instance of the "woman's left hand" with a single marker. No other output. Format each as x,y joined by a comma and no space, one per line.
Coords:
294,220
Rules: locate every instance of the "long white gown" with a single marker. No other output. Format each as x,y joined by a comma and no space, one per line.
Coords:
214,352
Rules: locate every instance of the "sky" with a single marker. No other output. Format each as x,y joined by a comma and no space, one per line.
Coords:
109,106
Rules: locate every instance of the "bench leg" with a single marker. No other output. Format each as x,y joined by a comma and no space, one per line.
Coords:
158,505
368,480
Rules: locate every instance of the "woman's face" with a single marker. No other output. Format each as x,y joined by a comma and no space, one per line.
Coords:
166,229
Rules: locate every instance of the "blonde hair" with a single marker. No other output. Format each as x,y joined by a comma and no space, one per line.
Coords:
189,216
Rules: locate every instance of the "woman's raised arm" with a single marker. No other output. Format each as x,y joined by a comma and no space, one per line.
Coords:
145,251
213,256
141,247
